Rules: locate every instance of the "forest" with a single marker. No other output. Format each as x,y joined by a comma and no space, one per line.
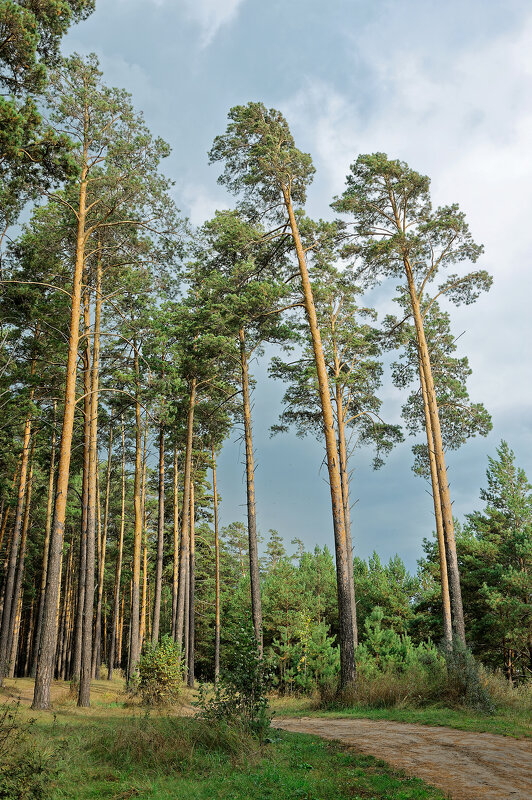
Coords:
129,345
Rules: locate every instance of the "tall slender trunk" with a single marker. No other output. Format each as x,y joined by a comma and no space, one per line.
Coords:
142,632
118,568
97,650
121,631
88,605
192,592
137,540
445,598
185,519
82,568
345,611
256,605
160,544
216,573
29,639
175,572
443,484
22,555
9,610
47,529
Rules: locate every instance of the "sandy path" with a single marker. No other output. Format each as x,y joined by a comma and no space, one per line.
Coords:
467,766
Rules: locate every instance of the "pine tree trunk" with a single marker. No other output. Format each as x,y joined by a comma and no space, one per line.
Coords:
9,610
15,611
97,651
118,569
82,569
185,521
216,574
192,592
445,500
344,475
47,529
256,605
92,515
160,544
345,610
134,649
445,598
175,572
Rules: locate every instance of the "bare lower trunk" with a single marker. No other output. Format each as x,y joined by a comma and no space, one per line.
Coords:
443,484
185,521
137,541
445,598
160,545
216,573
45,665
175,570
9,610
118,568
345,611
47,529
256,605
192,592
88,603
97,649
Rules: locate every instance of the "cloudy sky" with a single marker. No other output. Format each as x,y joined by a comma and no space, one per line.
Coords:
444,86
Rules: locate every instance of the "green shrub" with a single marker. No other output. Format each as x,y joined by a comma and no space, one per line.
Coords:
158,678
240,698
26,771
466,682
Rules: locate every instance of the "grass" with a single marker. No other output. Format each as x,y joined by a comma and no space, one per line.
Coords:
116,751
506,721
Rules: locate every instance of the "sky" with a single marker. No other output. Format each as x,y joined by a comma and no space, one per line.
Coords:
445,87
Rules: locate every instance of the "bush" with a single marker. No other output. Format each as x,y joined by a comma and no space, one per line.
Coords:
240,698
158,678
466,680
25,770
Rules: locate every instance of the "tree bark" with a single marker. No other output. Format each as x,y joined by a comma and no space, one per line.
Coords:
175,572
185,519
134,649
345,611
443,484
192,592
47,529
216,573
88,604
256,605
9,607
118,568
445,598
97,650
160,544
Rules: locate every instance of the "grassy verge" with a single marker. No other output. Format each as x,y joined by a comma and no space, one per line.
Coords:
116,751
158,758
504,721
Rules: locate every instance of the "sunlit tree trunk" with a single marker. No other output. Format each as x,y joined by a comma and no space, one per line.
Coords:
446,602
185,522
137,540
192,591
345,610
256,606
160,544
47,529
118,569
97,650
216,573
443,484
175,570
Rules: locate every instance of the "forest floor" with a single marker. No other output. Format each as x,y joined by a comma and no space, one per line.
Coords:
464,765
115,749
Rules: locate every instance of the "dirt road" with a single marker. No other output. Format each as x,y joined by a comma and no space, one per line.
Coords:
466,766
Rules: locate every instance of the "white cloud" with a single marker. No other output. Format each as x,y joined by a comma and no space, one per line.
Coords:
200,204
211,15
469,127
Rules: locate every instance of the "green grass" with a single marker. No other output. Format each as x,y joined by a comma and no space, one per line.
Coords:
156,757
504,721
